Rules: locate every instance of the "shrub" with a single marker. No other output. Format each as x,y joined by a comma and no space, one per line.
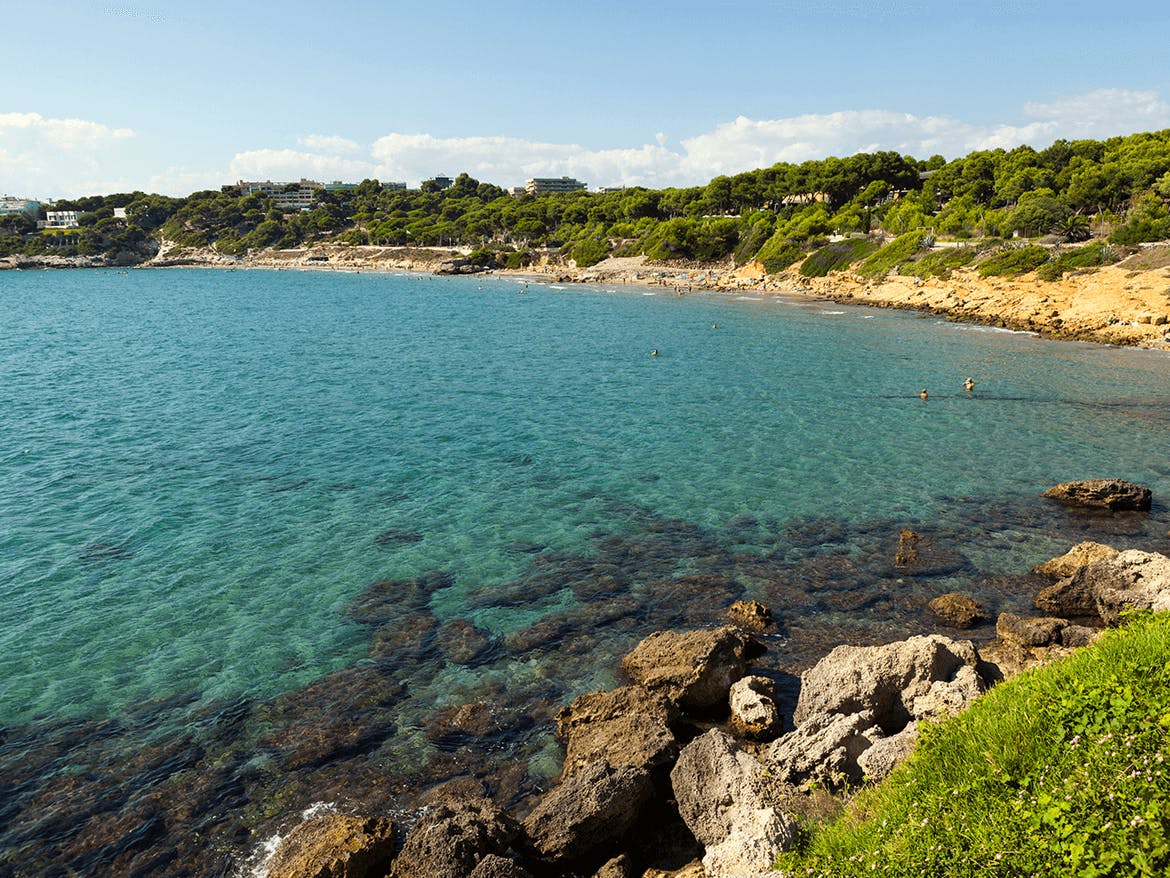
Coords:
590,251
1089,256
1014,261
837,256
899,250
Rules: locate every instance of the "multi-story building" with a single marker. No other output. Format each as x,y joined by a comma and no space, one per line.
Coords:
10,204
61,219
285,196
540,185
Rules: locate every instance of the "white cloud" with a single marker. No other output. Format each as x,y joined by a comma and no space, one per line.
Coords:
329,143
289,164
41,155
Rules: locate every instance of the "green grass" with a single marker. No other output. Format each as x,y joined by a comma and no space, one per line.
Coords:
939,263
778,253
899,250
1062,771
1015,261
836,256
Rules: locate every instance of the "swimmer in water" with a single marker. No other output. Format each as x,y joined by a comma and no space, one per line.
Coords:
654,353
924,394
714,325
969,385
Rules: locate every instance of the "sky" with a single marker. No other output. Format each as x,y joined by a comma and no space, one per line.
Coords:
99,97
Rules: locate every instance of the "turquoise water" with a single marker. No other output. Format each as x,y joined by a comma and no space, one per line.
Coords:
197,465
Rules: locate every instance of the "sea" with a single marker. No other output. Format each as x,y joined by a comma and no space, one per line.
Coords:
276,540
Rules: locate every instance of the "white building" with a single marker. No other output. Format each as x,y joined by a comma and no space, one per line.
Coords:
285,196
540,185
61,219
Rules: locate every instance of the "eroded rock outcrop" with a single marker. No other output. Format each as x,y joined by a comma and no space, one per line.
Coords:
335,846
625,726
957,610
750,616
694,669
451,839
1133,580
1114,495
754,712
732,805
1075,558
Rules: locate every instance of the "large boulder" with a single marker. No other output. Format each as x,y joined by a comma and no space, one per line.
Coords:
588,810
694,669
732,805
1075,595
825,748
1075,558
451,838
1115,495
626,726
335,846
754,712
886,680
1029,630
1133,580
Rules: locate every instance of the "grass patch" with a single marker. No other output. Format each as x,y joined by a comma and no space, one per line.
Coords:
778,253
1017,260
836,256
899,250
1062,771
938,263
1089,256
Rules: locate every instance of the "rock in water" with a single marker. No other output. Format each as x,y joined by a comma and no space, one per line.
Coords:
750,616
335,846
592,808
451,839
1075,558
694,669
1116,495
626,726
957,610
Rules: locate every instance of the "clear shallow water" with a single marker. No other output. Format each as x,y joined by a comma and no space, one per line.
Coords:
200,471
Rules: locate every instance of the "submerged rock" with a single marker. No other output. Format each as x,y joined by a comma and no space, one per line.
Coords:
957,610
1115,495
335,846
694,669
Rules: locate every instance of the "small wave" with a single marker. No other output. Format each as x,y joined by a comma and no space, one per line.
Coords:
256,866
832,312
749,298
972,327
555,287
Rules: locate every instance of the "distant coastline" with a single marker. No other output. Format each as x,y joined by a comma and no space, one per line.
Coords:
1123,304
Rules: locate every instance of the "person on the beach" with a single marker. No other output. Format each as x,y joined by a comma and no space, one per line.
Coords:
924,394
969,384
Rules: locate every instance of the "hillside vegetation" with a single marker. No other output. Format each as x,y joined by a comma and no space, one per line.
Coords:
1062,771
1117,189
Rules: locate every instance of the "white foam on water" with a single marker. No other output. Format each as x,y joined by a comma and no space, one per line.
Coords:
256,866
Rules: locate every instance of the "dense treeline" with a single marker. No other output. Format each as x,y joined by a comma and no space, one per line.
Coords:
1119,188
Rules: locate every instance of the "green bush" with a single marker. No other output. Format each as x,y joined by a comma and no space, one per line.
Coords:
1014,261
1062,771
896,252
779,253
751,242
939,263
590,251
837,256
1089,256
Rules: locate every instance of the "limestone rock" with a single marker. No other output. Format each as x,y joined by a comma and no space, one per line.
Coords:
948,697
1078,556
1134,580
884,754
1002,660
754,713
335,846
1116,495
957,610
1029,630
732,806
618,867
884,680
825,748
451,838
626,726
1075,595
494,866
1078,635
693,869
750,616
694,669
595,806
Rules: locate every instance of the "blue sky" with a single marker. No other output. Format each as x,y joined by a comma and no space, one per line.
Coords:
174,97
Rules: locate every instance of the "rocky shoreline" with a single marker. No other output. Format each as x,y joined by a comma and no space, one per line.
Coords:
1123,304
687,769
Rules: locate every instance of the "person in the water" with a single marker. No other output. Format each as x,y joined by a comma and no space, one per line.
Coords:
969,384
654,353
924,394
